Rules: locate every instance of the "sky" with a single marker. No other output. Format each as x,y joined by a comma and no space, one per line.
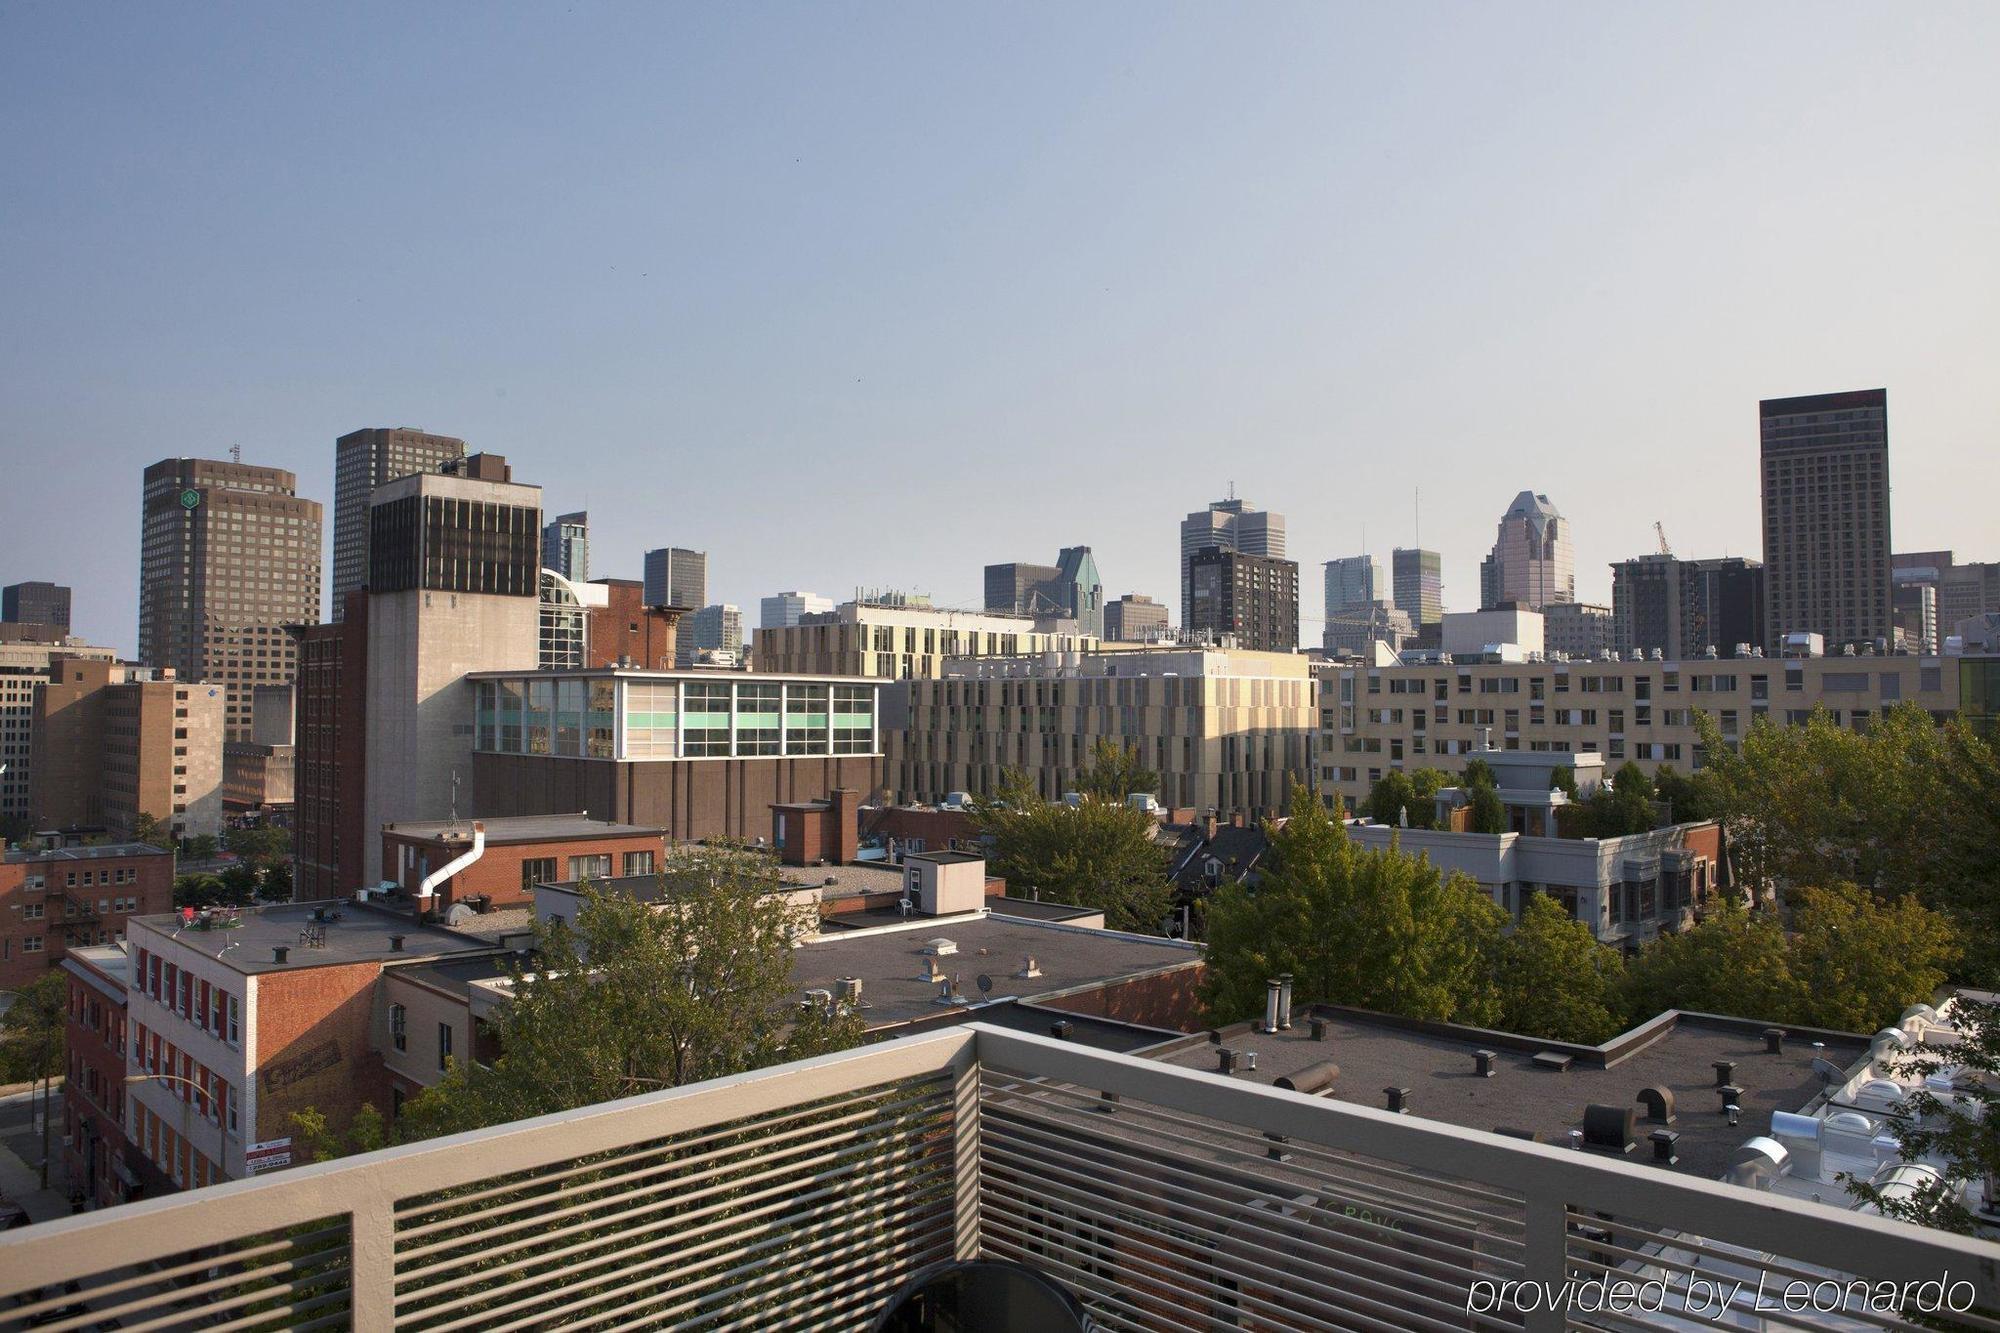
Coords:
876,294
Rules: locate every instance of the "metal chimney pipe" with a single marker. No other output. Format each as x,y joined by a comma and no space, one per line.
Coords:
1285,1001
1271,1004
1317,1027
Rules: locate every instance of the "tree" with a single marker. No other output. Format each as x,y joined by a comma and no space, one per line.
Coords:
1488,814
1392,795
1116,772
202,847
1959,1133
31,1041
259,846
1617,808
1903,808
1687,795
148,829
1860,961
320,1142
1381,930
206,890
632,997
1562,778
1094,853
1477,771
277,885
1556,980
1734,962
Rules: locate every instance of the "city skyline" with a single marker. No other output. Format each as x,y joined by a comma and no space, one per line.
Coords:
945,269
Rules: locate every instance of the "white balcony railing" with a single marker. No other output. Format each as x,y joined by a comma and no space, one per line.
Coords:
803,1196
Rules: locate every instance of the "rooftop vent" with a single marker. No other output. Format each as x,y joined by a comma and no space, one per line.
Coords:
1659,1104
1609,1128
1398,1100
1225,1060
1060,1029
1483,1063
1725,1072
1029,968
395,944
1553,1061
1314,1078
1665,1146
1317,1027
279,952
940,947
1774,1041
819,998
847,990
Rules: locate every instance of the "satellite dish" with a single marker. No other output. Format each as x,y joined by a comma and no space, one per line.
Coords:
984,982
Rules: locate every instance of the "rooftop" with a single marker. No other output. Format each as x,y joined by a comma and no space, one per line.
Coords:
346,932
99,852
890,961
522,828
1435,1061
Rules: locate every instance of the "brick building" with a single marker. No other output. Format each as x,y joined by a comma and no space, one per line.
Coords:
51,902
94,1143
330,751
116,741
243,1018
515,854
26,661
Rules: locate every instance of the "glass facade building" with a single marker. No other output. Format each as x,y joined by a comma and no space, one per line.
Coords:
675,715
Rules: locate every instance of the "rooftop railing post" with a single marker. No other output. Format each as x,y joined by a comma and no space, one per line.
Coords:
372,1244
1545,1254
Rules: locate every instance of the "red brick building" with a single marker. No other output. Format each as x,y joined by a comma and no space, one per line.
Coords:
628,631
516,854
810,833
56,900
94,1143
330,751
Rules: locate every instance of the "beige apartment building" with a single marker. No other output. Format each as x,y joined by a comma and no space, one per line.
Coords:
1223,728
1374,719
24,665
115,741
906,642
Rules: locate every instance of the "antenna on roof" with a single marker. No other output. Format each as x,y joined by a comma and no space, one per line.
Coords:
454,801
236,454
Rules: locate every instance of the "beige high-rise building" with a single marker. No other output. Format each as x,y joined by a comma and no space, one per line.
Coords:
1223,728
1533,562
1826,517
906,641
114,741
1376,719
25,664
229,556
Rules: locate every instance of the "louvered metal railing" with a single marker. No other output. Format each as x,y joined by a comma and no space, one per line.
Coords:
803,1197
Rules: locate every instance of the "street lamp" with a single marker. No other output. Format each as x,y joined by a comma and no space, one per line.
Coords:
187,1115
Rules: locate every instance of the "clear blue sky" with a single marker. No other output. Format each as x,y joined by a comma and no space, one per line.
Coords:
870,293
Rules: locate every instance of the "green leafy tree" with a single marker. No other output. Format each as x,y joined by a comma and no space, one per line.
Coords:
1959,1133
240,883
1116,772
259,846
1860,961
1488,815
31,1044
1094,853
1562,778
632,997
277,885
1903,808
1733,962
1477,771
1556,980
1392,795
1687,795
319,1141
202,847
148,829
1381,930
205,890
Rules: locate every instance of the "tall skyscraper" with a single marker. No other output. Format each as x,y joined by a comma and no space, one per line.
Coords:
1682,609
1532,562
1826,516
1251,598
1359,609
1070,589
1134,618
566,546
786,608
363,460
1230,525
35,604
1419,581
454,577
229,555
712,629
677,577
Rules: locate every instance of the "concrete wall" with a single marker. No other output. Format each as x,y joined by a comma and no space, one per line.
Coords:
424,1008
419,711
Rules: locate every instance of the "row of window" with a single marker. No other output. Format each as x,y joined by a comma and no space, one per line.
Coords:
208,1006
399,1036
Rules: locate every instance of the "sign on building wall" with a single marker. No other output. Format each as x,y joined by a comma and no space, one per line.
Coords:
267,1156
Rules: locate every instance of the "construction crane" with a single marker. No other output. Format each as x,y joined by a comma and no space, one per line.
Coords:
1660,530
